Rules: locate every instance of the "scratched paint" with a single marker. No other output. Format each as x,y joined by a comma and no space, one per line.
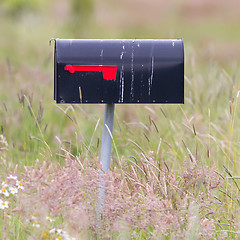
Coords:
122,53
121,56
132,73
121,94
121,84
152,66
150,79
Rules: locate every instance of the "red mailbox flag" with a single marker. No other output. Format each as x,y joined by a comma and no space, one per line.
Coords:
109,72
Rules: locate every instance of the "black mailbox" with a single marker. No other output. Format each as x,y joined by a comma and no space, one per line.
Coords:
119,71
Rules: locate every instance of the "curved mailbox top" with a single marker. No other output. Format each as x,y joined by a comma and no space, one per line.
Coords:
119,71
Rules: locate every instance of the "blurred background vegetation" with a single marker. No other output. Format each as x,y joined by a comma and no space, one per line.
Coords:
32,123
211,27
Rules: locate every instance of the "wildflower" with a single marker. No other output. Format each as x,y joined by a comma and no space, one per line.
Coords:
50,219
3,204
5,192
12,177
45,234
36,224
13,190
59,231
52,230
4,184
61,234
19,185
34,217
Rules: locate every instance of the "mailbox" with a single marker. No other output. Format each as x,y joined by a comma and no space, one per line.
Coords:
119,71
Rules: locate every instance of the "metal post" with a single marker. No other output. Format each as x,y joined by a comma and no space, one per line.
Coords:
107,137
105,154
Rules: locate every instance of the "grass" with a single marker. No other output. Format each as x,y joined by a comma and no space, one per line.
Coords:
175,168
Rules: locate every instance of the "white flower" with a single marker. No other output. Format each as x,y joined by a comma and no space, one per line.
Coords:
33,217
19,185
5,192
50,219
13,190
4,184
37,225
52,230
60,232
3,204
12,177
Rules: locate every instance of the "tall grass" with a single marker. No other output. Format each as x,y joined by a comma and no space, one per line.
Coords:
176,177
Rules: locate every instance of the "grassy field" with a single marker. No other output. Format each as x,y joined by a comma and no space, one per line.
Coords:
175,169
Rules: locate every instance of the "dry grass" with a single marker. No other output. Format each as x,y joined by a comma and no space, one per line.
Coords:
142,199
